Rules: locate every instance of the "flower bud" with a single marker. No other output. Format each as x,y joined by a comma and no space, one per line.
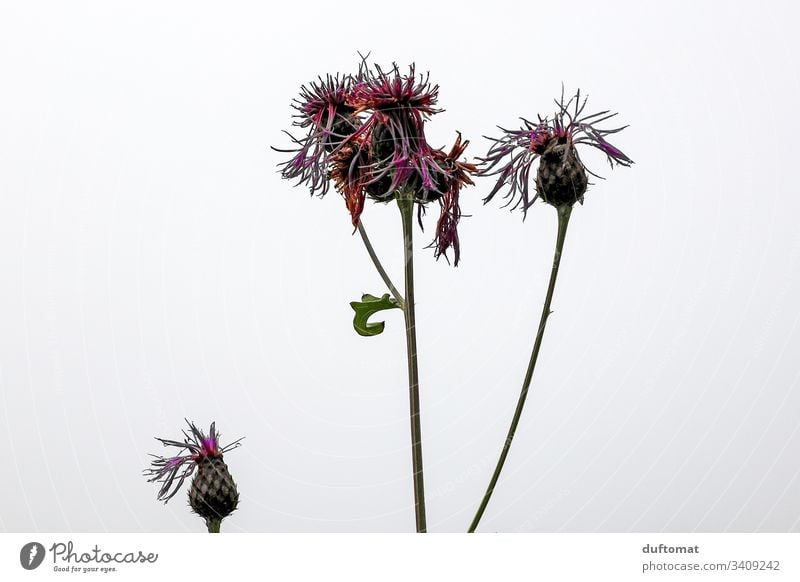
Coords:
213,494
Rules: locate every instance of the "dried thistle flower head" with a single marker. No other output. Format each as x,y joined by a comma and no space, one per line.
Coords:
561,177
213,494
365,133
322,111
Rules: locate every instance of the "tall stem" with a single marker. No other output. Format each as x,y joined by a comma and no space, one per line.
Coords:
563,220
379,266
406,203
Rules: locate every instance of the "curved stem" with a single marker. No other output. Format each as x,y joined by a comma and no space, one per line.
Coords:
563,220
406,204
379,266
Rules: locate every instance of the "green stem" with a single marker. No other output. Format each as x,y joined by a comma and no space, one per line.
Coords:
379,266
406,203
563,220
213,525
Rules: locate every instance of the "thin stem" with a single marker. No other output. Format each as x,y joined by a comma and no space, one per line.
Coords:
213,525
406,204
379,266
563,220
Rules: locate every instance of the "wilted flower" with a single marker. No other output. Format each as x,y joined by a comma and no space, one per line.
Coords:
561,176
366,135
213,494
394,131
323,111
449,183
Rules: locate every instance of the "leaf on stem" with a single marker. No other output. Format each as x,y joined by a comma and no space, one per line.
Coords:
366,308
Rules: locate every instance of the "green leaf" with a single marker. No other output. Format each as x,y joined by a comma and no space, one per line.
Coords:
366,308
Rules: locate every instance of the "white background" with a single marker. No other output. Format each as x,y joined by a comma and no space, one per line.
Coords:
156,267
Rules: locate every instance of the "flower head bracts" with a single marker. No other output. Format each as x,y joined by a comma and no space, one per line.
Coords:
171,472
514,153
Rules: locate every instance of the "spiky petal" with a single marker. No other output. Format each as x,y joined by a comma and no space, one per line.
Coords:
323,111
456,175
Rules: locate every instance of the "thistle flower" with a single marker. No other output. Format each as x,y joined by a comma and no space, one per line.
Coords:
323,111
213,494
398,105
366,135
561,176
